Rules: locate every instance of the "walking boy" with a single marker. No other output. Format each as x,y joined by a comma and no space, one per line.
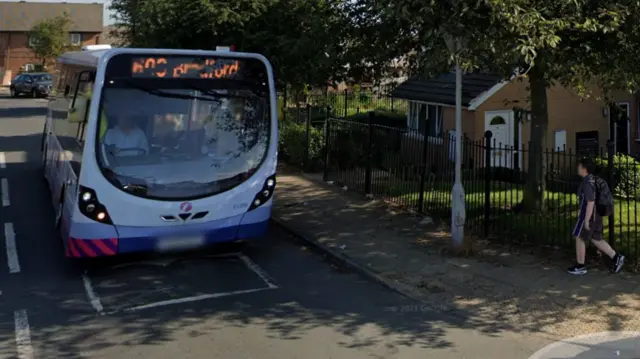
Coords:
590,224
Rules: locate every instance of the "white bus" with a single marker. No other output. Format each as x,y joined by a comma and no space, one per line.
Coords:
160,150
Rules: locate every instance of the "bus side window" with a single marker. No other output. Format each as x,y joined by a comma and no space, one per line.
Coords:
60,80
69,128
82,103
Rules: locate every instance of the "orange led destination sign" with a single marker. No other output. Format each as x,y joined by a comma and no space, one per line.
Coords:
181,67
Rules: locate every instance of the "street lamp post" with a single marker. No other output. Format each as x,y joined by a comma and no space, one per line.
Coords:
458,212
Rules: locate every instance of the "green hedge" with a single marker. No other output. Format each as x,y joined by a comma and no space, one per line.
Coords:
349,139
626,175
292,144
382,118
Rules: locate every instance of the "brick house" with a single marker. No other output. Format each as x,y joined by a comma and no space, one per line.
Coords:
18,18
575,125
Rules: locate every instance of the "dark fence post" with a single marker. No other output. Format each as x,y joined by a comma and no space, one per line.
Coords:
423,167
487,181
297,110
392,103
346,98
325,172
307,140
284,105
610,155
367,175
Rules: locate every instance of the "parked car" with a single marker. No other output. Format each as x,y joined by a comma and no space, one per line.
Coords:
35,84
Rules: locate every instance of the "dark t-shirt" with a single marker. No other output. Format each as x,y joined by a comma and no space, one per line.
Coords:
587,193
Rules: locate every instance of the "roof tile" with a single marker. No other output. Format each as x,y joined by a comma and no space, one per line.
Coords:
442,89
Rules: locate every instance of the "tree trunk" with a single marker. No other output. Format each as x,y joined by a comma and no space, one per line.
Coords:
533,199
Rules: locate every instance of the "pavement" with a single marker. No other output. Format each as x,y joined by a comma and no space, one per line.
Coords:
275,299
497,290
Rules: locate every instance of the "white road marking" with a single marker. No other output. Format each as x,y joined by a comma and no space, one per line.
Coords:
12,250
271,284
23,334
91,294
5,192
258,270
3,160
196,298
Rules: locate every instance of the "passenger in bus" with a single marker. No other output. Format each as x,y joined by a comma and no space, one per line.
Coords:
166,127
126,138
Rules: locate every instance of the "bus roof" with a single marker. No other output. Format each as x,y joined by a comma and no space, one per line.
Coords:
91,58
83,58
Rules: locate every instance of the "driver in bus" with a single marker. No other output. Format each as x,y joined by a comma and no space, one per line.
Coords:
126,138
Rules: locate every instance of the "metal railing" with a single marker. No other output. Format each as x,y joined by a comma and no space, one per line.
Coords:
399,165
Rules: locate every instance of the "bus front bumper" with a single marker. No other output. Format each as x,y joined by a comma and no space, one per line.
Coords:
247,226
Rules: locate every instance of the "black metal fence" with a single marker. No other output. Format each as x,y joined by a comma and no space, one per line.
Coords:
342,104
398,165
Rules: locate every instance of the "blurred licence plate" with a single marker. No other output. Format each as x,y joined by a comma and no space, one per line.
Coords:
180,242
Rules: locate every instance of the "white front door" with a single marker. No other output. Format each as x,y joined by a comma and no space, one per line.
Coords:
500,123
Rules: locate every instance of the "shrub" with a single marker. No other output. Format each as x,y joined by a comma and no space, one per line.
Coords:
509,175
349,145
626,175
318,114
292,145
382,118
280,108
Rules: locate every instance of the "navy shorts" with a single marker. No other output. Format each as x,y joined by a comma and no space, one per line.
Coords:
595,229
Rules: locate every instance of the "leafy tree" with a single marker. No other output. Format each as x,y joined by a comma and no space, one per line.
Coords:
51,38
304,40
575,43
189,24
307,41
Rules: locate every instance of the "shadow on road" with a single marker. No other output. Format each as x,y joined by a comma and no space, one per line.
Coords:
25,110
28,145
313,296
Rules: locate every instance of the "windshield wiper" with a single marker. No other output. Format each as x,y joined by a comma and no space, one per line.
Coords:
137,188
112,176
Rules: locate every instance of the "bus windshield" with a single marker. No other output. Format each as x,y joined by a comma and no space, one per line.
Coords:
176,139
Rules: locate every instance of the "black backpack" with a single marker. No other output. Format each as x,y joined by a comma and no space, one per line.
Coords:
604,198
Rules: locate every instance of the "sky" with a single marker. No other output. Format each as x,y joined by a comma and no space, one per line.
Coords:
107,14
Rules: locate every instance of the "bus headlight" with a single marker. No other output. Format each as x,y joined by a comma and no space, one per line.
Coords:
265,193
90,206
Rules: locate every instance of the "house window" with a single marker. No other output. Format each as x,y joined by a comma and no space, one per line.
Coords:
498,120
33,41
421,115
75,39
560,140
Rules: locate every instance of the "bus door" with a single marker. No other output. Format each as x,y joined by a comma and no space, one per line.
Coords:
71,135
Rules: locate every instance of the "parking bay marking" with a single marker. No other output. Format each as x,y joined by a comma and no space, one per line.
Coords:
91,294
250,264
23,334
12,250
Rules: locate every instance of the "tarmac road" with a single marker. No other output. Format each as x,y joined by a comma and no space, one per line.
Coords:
273,300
